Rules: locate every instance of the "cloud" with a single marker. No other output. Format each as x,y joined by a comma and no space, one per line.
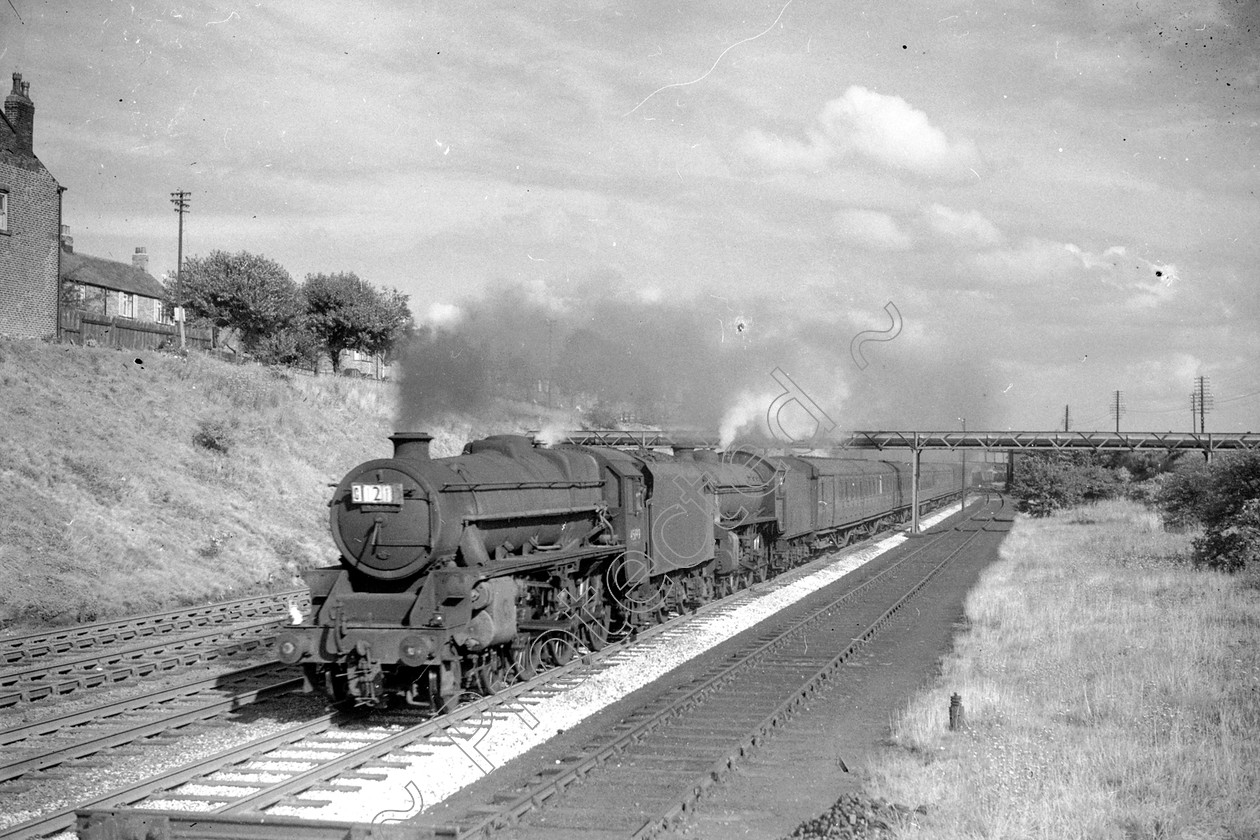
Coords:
881,128
962,228
780,153
889,130
1148,283
871,229
1031,262
1139,282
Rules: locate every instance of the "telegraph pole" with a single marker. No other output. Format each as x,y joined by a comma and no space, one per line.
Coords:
1117,408
1067,418
180,199
1202,390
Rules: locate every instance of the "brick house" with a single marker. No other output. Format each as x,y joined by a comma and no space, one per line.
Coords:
111,289
30,223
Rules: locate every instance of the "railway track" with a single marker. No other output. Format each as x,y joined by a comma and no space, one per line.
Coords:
662,758
327,752
107,667
247,792
56,741
32,647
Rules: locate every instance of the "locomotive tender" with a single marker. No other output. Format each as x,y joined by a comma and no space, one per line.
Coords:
465,573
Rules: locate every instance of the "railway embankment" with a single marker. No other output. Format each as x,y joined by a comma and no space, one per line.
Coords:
1108,688
139,481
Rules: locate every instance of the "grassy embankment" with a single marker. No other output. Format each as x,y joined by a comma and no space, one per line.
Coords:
139,481
1110,691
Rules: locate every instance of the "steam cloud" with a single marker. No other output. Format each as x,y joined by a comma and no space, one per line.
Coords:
703,363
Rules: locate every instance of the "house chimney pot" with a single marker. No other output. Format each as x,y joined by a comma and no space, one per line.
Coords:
20,110
140,259
67,241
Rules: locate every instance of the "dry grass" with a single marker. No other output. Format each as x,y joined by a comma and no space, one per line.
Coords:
135,485
1110,692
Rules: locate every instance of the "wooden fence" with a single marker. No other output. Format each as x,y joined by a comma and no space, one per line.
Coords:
78,327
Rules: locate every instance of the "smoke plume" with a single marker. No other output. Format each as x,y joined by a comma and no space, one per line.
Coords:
608,352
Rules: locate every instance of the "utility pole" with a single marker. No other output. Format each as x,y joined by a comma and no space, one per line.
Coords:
1117,408
1201,398
180,199
1067,418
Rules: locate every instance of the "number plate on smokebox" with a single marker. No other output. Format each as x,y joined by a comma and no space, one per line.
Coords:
376,494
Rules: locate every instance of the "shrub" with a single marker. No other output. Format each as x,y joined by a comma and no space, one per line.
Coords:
214,435
1230,546
1225,499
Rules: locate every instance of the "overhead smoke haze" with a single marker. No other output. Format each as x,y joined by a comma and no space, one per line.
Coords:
709,363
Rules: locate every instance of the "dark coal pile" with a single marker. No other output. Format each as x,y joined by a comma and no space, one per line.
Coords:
857,817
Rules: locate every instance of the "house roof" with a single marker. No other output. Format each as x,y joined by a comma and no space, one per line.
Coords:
108,274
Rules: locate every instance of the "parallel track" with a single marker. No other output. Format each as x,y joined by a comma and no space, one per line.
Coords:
239,801
27,748
17,650
107,667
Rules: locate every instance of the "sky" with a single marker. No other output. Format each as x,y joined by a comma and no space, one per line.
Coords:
924,212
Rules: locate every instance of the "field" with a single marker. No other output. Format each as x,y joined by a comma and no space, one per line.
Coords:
137,482
1109,691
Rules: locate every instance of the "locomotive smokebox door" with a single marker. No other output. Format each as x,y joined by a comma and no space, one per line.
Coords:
381,520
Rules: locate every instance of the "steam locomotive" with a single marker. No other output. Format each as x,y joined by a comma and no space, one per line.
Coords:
466,573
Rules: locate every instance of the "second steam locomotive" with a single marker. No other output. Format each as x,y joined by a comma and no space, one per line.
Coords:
465,573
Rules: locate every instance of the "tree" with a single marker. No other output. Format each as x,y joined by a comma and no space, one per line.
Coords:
344,313
1047,481
245,292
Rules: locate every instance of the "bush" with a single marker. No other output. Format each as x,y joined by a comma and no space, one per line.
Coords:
215,435
1225,499
1232,545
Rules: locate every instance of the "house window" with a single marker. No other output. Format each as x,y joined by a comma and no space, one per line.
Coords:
4,212
126,305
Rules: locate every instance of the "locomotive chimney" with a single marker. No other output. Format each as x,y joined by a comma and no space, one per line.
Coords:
413,445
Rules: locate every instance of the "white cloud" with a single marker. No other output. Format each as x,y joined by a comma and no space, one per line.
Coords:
964,228
1032,262
889,130
871,229
884,129
1148,283
1136,282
